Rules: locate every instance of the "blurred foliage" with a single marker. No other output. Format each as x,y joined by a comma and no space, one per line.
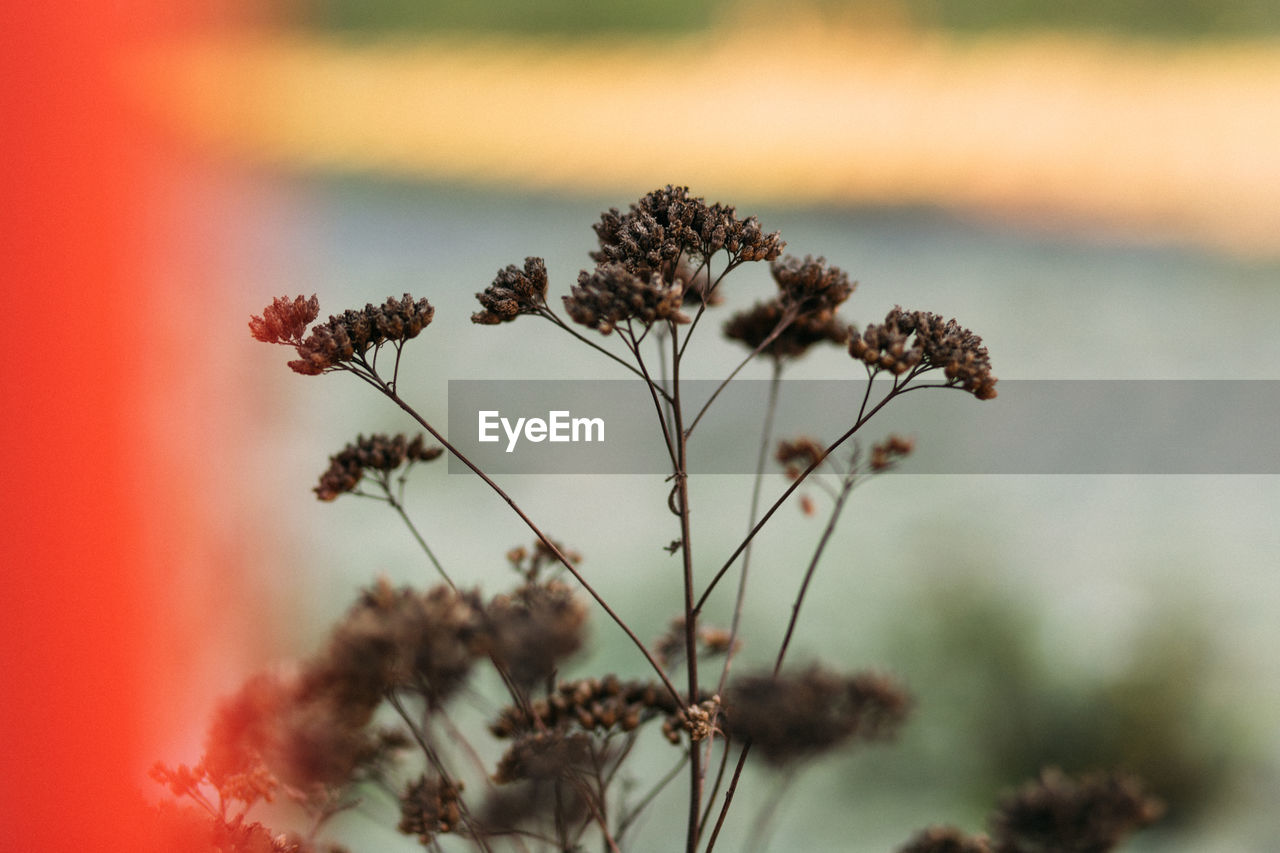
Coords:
547,17
1149,18
995,707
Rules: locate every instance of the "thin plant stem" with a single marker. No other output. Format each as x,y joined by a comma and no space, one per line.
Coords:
841,498
766,437
863,417
788,316
715,788
413,529
690,622
551,546
547,313
728,795
437,764
626,821
764,822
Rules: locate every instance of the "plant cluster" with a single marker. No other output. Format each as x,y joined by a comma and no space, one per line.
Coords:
373,713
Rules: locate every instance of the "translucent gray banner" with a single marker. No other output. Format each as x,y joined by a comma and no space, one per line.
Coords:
1033,427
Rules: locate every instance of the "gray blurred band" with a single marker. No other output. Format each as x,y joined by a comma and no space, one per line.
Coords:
1032,427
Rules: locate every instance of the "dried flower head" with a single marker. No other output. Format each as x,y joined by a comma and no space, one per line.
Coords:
907,340
756,324
514,292
534,629
788,717
799,454
810,286
430,807
592,704
700,720
611,295
377,452
1060,814
285,320
529,563
544,755
670,647
889,452
402,639
669,224
946,839
342,340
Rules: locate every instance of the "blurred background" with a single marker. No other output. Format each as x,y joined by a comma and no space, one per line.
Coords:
1092,187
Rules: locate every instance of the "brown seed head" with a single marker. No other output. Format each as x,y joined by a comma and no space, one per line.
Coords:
668,224
611,295
946,839
810,286
334,344
377,452
514,292
908,339
1057,813
754,325
430,807
789,717
285,320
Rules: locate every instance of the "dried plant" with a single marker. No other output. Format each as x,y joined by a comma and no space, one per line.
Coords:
317,733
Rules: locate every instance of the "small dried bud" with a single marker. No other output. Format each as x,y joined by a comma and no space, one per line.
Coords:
888,452
799,454
699,720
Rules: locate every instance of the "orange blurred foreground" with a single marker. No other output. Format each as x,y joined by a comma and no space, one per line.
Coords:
1149,140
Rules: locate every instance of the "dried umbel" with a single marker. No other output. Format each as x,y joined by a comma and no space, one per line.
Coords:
430,807
754,326
670,648
798,454
285,320
669,224
811,287
535,628
514,291
1060,814
402,639
378,453
545,755
920,340
889,452
788,717
592,704
343,340
945,839
612,295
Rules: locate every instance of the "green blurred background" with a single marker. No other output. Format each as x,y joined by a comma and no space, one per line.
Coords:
1143,18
